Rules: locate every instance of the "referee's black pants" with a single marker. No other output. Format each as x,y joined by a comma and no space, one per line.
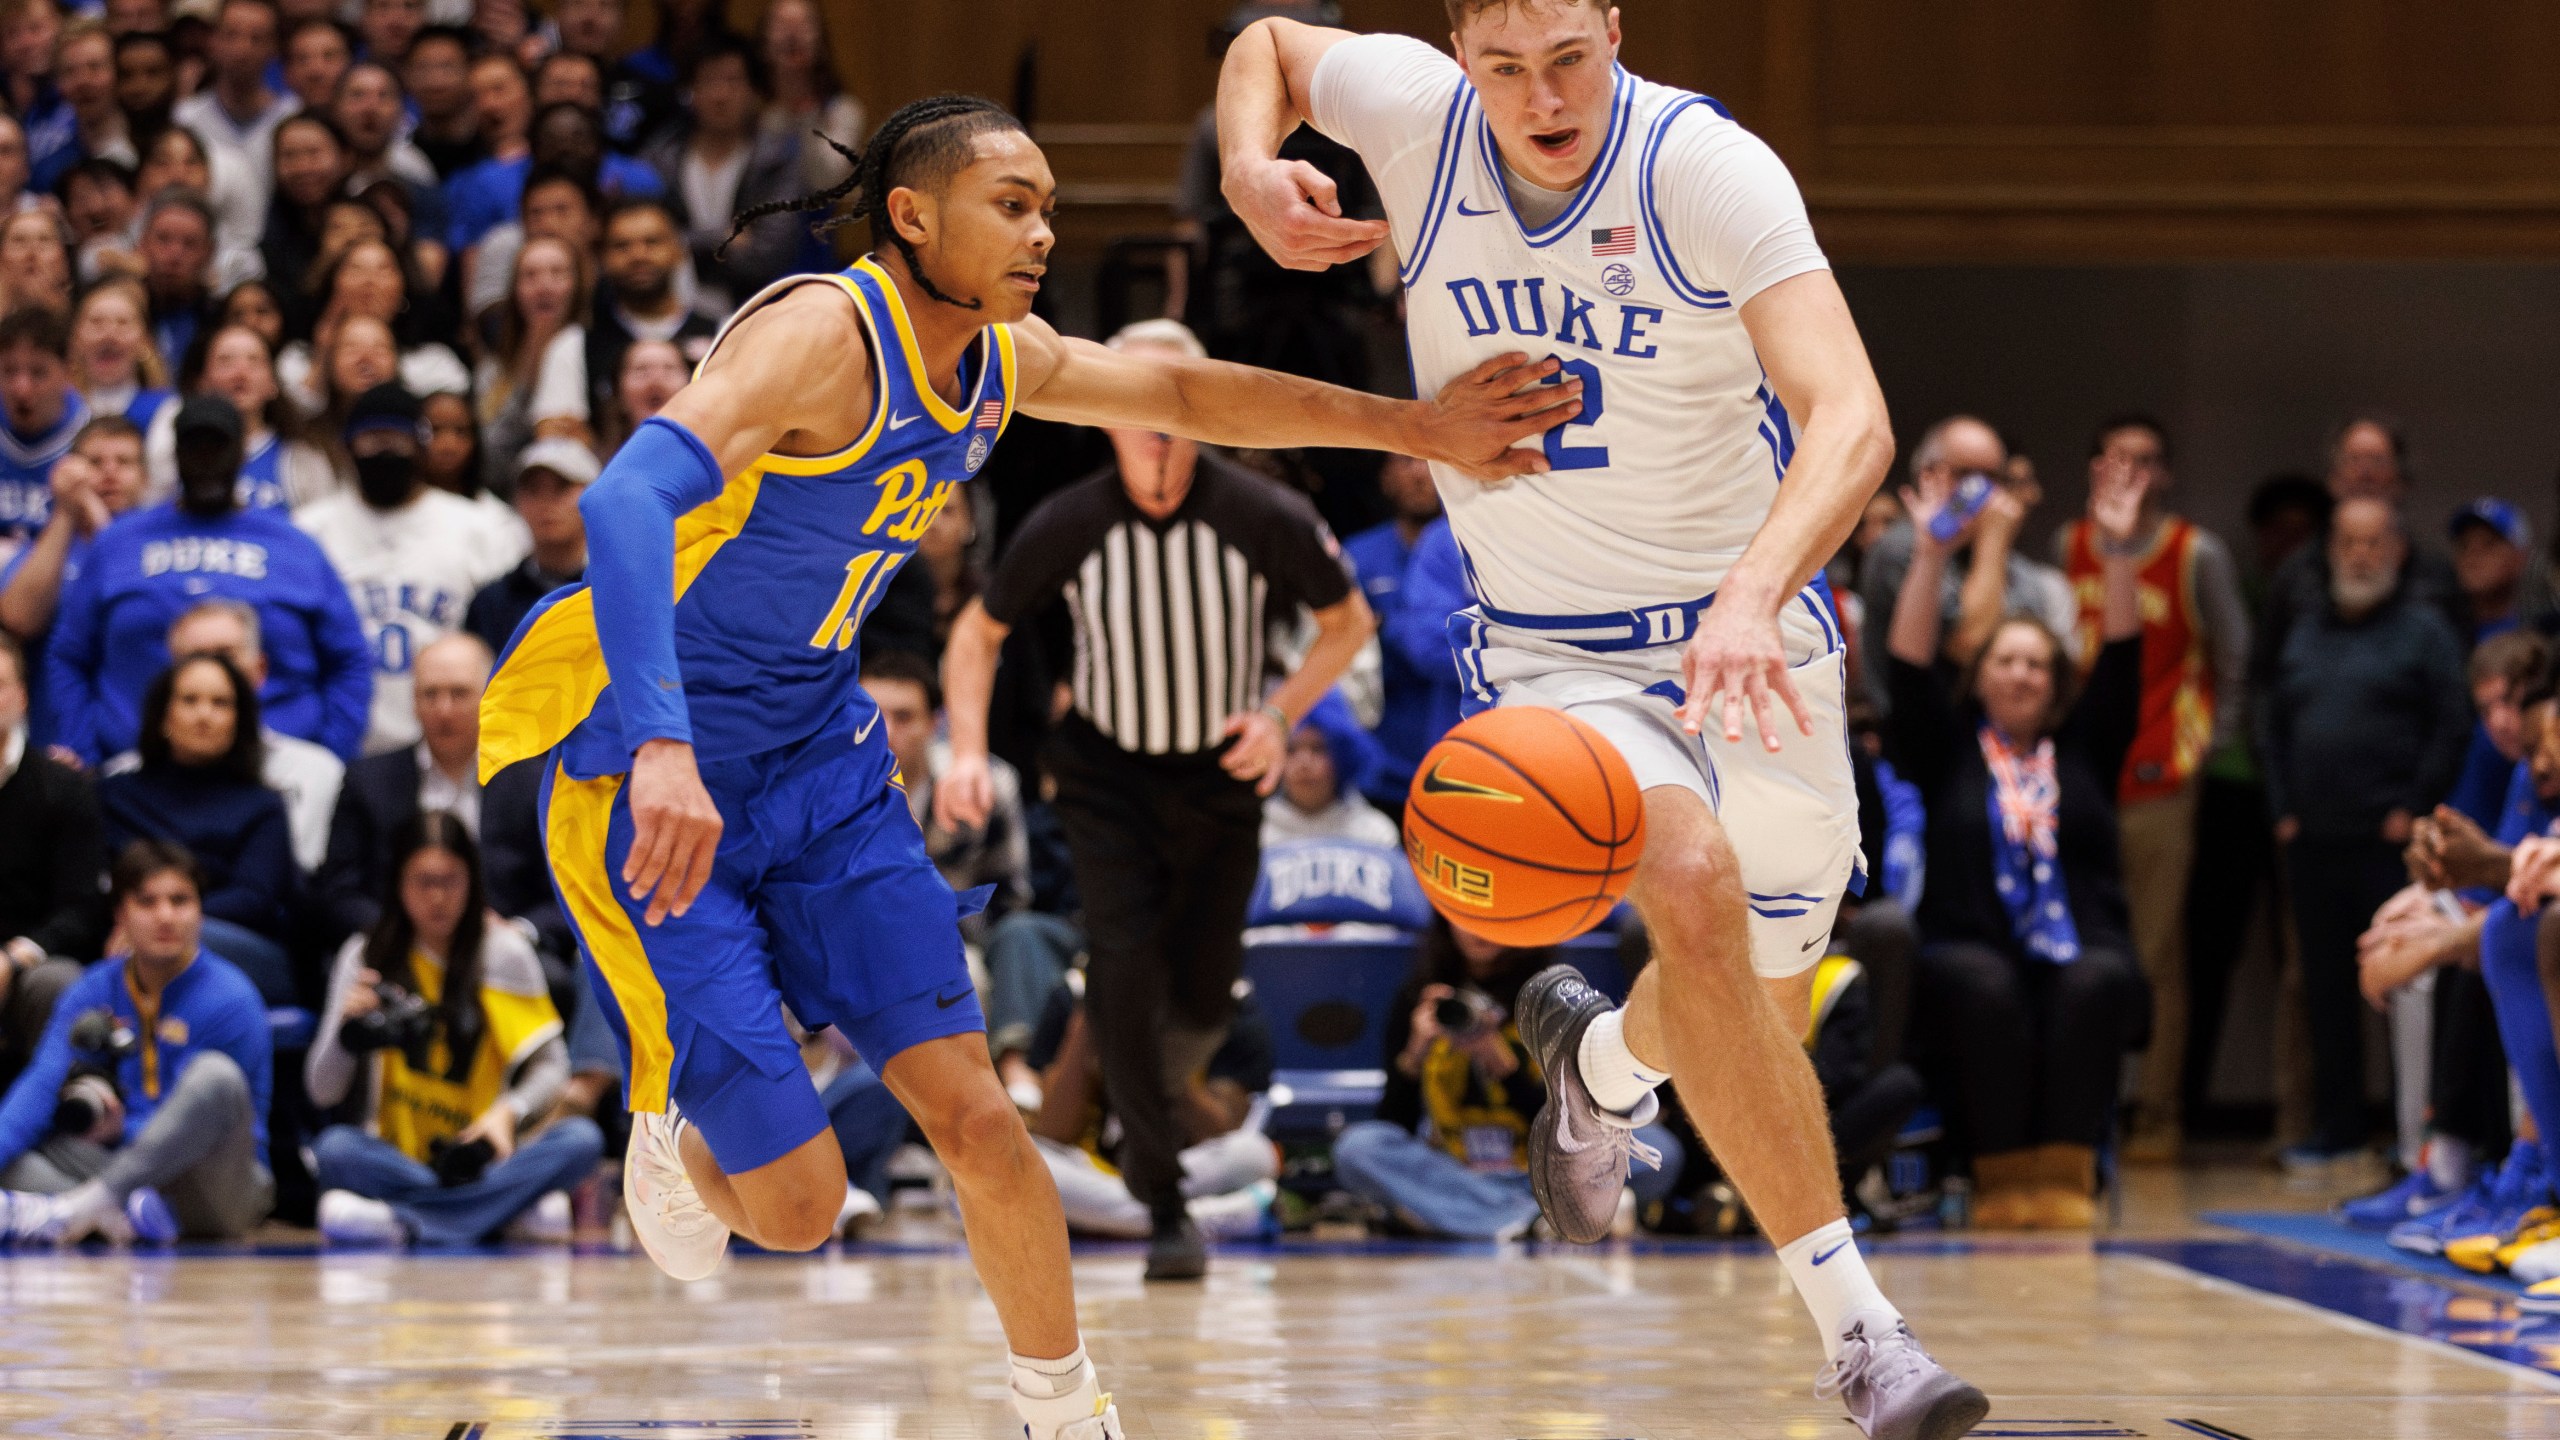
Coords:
1166,850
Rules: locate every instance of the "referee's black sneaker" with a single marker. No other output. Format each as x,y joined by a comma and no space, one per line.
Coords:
1176,1251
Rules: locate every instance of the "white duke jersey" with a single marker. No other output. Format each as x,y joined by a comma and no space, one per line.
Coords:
1635,283
411,573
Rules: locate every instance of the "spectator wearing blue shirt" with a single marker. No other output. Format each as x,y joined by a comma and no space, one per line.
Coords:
178,235
99,480
42,412
565,137
1435,590
113,364
1381,556
201,784
2503,668
167,1045
111,636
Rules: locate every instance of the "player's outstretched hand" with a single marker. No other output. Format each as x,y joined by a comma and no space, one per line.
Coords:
1476,421
964,794
1260,746
675,830
1292,210
1738,658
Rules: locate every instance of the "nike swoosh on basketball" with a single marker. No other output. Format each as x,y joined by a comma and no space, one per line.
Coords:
941,1003
1435,783
899,421
1834,1250
1463,210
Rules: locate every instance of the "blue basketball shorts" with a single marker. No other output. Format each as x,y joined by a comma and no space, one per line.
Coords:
821,898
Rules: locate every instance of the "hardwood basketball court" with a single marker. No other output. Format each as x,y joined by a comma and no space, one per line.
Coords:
2168,1327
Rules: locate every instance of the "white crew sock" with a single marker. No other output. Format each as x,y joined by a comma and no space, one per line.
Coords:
1617,1080
1832,1277
2449,1161
1052,1394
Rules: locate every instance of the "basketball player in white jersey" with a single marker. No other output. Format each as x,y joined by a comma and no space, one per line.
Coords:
1656,580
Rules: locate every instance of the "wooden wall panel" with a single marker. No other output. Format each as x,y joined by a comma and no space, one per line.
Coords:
1951,130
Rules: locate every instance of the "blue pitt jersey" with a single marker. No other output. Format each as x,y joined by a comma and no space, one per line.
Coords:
774,576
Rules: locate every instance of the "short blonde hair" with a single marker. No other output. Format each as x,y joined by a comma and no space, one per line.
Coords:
1461,11
1167,334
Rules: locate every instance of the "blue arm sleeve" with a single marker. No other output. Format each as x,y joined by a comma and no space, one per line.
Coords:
346,664
27,1112
661,472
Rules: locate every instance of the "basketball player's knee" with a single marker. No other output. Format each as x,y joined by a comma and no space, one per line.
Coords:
978,1133
804,1219
1686,886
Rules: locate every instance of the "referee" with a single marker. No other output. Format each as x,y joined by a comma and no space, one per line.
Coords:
1173,564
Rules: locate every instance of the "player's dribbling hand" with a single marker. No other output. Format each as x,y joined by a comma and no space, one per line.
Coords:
1737,659
675,830
1292,210
1257,750
964,794
1476,422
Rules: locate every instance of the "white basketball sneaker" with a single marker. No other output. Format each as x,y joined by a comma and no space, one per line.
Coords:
667,1213
1102,1424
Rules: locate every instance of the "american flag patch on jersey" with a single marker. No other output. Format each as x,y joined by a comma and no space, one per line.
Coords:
1616,240
990,414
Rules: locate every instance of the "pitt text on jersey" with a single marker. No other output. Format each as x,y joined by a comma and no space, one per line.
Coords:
908,505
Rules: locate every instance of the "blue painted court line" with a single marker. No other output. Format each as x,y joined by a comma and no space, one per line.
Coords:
2467,1315
2329,1236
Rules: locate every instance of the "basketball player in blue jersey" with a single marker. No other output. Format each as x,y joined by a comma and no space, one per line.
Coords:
1658,581
721,811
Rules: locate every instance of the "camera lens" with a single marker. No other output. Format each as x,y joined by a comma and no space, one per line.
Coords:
1454,1013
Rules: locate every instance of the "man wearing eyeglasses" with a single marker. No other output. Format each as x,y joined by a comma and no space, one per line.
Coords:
1977,596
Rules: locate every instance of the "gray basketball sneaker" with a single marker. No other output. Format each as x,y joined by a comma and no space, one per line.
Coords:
1578,1152
1891,1386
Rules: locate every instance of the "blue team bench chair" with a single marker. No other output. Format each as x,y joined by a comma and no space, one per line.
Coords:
1326,1002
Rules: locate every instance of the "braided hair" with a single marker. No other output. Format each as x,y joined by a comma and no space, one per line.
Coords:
923,141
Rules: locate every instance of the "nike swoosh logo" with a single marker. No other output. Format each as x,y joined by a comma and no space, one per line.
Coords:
901,421
1463,210
865,732
1435,783
1809,944
1834,1250
945,1002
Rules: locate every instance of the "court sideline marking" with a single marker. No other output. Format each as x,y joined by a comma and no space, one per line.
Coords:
2356,1324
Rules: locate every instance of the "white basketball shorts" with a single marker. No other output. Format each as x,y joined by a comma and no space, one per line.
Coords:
1792,816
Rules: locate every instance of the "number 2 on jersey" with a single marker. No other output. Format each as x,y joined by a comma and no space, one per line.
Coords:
1561,456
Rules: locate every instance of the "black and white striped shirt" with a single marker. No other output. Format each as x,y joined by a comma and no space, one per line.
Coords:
1170,616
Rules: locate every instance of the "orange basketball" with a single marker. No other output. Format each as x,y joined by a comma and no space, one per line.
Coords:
1524,826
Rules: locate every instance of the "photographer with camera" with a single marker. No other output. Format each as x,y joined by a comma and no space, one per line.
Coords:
447,1003
143,1113
1446,1155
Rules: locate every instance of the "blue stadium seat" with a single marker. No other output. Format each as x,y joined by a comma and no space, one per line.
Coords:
1327,1002
1596,956
291,1027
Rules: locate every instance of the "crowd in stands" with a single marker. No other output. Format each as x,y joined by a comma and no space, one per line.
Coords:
318,316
